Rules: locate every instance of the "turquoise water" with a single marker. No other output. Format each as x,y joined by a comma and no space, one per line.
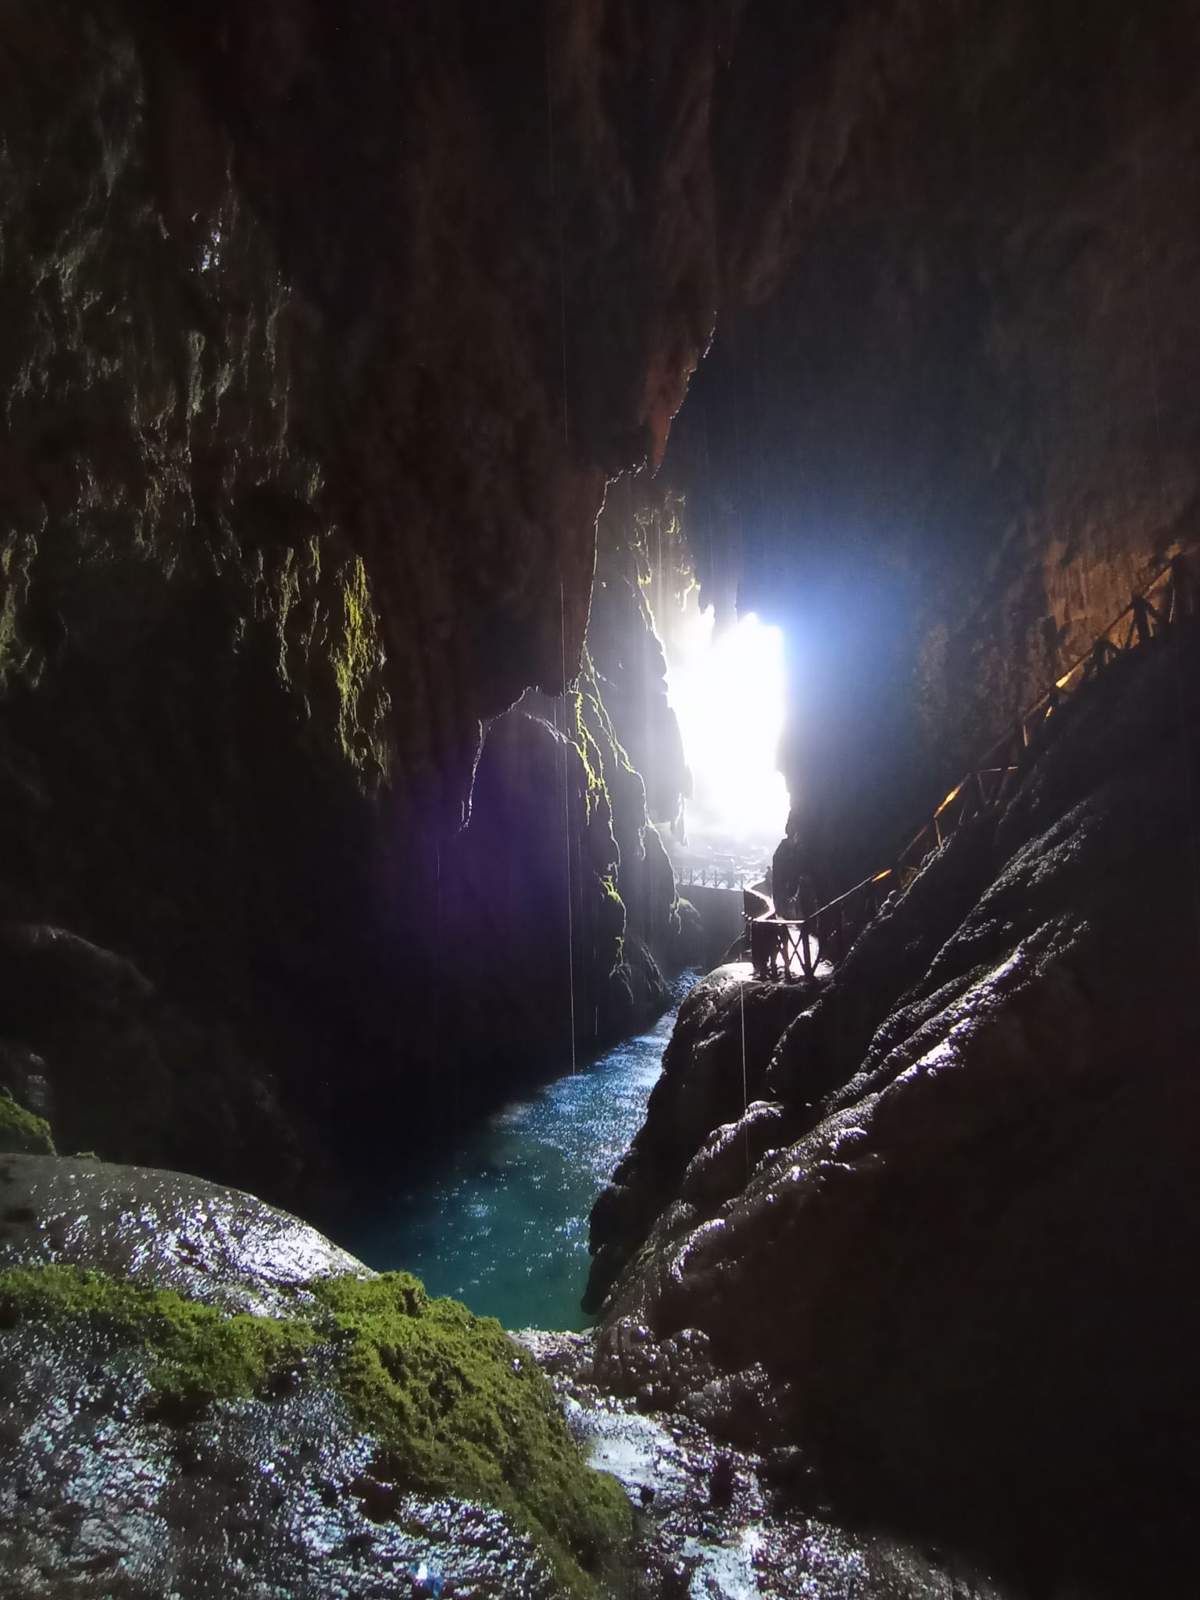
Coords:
502,1223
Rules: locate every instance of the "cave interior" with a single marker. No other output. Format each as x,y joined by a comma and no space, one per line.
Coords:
480,488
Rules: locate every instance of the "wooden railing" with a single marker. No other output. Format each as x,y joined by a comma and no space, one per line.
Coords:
794,947
709,876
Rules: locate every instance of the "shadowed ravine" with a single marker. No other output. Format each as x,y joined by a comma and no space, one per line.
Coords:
501,1221
481,487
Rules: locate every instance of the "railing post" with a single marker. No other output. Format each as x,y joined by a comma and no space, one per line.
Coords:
1141,620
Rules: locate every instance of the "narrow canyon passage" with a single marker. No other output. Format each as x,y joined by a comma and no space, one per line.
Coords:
501,1221
599,696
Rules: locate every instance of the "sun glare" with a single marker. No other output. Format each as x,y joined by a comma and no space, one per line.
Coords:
727,689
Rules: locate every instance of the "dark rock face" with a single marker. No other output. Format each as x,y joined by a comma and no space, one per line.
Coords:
529,905
114,1065
712,1070
955,426
963,1253
730,1522
193,690
320,339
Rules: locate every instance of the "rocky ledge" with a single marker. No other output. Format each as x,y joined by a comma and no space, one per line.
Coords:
948,1248
204,1397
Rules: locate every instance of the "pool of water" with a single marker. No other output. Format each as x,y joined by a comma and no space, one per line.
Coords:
502,1222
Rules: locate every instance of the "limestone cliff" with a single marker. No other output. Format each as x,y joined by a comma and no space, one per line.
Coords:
954,1226
321,335
952,423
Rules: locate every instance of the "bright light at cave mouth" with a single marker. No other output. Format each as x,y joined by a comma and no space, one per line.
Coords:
727,689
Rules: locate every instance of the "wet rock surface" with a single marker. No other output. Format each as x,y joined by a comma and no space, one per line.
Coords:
115,1483
721,1523
712,1071
964,1270
106,1492
216,1245
256,1498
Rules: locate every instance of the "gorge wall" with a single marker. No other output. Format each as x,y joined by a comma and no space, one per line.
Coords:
952,424
320,340
322,337
927,1228
331,741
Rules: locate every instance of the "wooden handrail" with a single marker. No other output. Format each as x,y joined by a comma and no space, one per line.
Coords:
1146,623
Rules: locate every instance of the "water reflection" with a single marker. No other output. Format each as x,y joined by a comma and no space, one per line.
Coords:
502,1223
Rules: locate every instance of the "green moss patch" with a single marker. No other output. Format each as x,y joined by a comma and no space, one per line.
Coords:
460,1408
200,1353
457,1407
21,1131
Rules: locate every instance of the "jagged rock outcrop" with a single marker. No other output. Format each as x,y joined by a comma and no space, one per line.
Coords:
546,911
712,1069
320,338
626,647
964,1252
202,1393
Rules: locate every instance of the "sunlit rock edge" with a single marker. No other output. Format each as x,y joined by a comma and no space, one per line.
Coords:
948,1247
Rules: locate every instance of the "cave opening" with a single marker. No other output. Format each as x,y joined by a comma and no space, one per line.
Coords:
727,684
480,488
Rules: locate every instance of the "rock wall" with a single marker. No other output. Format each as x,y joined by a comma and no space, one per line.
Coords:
320,339
954,1227
953,422
556,905
193,675
642,556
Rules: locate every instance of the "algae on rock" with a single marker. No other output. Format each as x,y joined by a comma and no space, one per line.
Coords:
453,1405
22,1132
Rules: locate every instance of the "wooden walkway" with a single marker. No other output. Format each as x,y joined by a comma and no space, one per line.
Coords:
711,875
795,948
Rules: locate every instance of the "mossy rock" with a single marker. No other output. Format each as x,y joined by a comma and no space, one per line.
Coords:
455,1405
22,1132
198,1352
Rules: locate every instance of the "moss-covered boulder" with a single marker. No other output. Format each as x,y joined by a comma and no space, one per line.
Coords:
460,1408
22,1132
446,1403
